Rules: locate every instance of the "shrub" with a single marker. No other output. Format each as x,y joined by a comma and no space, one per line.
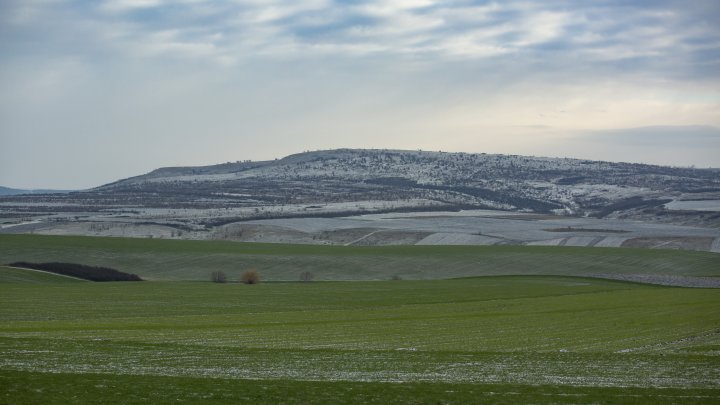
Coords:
218,277
250,277
306,276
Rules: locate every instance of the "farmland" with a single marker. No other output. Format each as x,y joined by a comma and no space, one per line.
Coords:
180,260
560,337
534,337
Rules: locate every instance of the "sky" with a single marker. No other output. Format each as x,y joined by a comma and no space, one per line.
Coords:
95,91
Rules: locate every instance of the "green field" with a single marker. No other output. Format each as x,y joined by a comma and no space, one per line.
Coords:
548,338
504,339
155,259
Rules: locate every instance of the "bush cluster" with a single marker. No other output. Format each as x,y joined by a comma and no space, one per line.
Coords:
250,277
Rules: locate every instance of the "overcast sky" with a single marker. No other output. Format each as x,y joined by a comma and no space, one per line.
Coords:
94,91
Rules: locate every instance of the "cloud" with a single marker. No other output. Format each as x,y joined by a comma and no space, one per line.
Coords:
171,43
199,81
686,136
115,6
603,32
673,145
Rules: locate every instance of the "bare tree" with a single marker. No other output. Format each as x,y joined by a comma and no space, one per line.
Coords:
306,276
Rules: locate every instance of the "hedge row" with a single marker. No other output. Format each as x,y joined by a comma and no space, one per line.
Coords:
92,273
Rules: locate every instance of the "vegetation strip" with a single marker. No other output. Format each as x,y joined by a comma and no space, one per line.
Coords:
31,276
26,269
92,273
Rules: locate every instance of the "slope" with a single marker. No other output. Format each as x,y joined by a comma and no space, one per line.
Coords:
154,259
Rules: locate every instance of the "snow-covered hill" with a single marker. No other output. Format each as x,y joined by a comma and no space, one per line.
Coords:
569,186
349,182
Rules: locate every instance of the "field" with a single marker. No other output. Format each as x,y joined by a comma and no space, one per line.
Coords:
178,260
562,338
508,339
466,227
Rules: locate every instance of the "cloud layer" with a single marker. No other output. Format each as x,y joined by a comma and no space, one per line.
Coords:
678,38
196,82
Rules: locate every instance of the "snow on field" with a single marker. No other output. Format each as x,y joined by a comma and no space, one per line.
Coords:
715,245
704,205
457,239
471,227
607,191
314,224
5,226
571,369
547,242
581,241
611,241
482,227
496,224
193,215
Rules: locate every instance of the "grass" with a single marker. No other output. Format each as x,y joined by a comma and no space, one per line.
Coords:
543,335
516,339
63,388
155,259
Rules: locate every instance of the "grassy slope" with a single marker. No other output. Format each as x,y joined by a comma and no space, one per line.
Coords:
194,260
62,388
16,275
557,339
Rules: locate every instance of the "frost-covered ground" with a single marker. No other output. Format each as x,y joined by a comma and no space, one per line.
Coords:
377,197
510,330
700,205
497,227
471,227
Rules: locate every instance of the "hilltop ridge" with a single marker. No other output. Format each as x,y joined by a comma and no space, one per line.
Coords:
510,182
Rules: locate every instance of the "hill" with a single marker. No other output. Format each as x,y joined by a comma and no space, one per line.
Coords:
507,182
196,202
